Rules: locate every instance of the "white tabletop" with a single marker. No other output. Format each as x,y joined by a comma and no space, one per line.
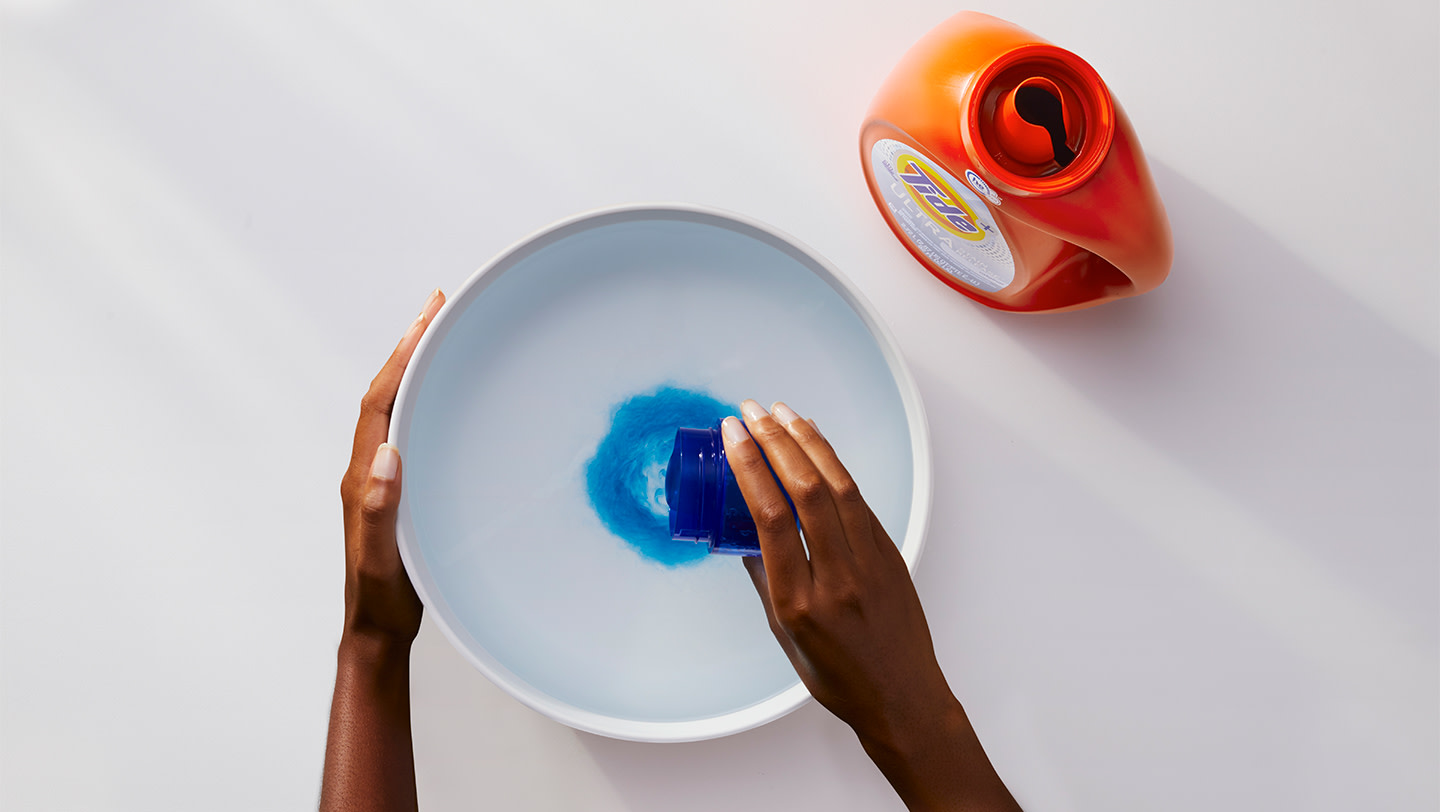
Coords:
1184,550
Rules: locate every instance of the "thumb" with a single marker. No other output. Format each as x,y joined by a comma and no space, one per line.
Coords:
380,498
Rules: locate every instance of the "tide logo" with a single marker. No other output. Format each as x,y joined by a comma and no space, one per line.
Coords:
937,199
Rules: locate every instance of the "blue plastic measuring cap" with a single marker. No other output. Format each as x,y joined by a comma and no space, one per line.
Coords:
694,485
706,506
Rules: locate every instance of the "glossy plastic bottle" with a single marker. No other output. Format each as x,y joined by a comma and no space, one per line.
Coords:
1007,169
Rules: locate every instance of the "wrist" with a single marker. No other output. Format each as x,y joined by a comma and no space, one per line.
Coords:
372,647
906,738
938,763
379,620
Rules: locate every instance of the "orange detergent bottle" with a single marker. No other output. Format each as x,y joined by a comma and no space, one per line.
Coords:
1005,166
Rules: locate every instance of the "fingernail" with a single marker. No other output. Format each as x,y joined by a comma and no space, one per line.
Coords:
434,294
752,410
783,413
811,421
733,431
387,462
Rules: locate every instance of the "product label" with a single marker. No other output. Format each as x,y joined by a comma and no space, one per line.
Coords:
945,221
978,184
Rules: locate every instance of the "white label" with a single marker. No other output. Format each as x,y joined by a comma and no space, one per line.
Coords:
945,221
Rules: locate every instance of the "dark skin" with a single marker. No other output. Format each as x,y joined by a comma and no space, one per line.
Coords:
846,614
848,617
369,757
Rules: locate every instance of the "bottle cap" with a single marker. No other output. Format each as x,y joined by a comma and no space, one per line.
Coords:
692,485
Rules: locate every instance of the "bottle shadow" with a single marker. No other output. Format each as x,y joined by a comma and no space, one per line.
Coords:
1247,368
1257,374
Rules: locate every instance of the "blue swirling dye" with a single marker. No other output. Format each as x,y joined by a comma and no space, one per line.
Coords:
626,477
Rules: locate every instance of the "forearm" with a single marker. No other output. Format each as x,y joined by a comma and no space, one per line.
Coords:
939,765
369,757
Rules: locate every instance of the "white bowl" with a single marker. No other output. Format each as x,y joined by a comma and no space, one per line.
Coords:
512,389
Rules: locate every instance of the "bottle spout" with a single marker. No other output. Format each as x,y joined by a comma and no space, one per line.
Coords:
1037,121
1034,125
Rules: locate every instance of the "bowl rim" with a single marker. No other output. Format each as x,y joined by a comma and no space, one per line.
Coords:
735,721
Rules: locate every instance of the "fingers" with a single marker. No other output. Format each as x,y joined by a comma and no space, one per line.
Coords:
374,424
808,489
756,569
786,566
889,551
844,493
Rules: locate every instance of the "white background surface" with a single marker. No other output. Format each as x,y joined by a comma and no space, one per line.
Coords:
1184,553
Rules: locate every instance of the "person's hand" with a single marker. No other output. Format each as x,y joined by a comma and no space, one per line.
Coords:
848,616
369,752
380,604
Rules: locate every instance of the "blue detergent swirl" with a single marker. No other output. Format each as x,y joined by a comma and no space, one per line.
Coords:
626,477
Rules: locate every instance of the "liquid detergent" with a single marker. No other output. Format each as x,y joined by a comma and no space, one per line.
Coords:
705,502
627,476
1008,170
